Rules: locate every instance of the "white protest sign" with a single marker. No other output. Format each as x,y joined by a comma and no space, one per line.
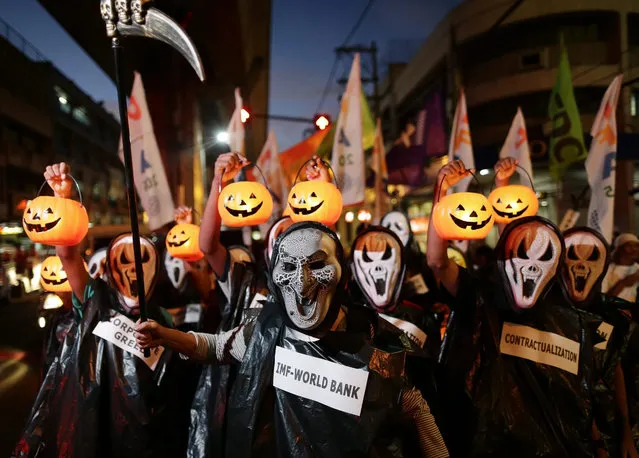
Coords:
540,347
416,335
120,331
334,385
256,303
419,285
604,331
192,314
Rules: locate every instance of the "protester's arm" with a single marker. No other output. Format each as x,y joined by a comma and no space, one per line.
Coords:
622,284
628,449
57,176
431,441
222,348
226,167
444,269
504,169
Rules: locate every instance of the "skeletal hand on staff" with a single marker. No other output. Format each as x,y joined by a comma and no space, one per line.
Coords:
451,174
316,170
57,176
183,215
504,169
114,11
228,165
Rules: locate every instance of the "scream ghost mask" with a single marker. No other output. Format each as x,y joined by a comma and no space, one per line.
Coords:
306,270
274,232
175,269
529,253
585,263
378,266
121,269
399,224
97,264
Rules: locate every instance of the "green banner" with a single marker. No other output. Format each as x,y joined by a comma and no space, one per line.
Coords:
567,136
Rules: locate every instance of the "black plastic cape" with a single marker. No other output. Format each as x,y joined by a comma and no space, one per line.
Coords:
99,401
60,324
517,407
269,422
208,409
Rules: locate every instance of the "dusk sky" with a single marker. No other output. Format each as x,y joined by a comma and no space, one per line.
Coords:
303,39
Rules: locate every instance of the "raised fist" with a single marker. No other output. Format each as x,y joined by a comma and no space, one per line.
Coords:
57,176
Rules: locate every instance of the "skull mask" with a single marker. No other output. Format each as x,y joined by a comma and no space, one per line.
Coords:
399,224
175,269
274,232
306,270
378,267
529,252
97,264
584,264
121,269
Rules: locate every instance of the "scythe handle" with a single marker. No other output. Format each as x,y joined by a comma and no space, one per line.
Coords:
128,178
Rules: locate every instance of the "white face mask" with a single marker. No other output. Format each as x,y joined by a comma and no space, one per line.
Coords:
399,224
97,264
275,231
122,269
175,269
377,267
306,272
532,255
584,263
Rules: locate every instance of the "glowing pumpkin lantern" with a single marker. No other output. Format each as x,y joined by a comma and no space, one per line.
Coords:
463,216
245,203
513,202
315,201
53,277
183,242
55,221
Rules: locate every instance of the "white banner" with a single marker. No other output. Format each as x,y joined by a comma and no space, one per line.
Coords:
461,145
604,331
540,346
269,164
148,170
348,152
413,332
600,163
235,129
516,146
334,385
120,331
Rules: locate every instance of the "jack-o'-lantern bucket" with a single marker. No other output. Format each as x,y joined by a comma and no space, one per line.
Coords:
245,203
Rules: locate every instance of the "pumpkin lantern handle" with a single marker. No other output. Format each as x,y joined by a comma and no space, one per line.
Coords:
268,188
76,185
532,185
441,182
325,163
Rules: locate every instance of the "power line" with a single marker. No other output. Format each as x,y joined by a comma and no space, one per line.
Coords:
350,35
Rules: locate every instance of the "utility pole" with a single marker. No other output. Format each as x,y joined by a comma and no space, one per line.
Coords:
369,74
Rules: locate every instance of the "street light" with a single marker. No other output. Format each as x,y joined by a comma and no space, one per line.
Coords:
322,121
222,137
244,115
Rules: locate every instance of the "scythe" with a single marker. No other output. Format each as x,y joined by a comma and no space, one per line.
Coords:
134,18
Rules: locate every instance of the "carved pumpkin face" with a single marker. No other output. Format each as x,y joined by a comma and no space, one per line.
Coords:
530,254
245,203
183,242
97,264
53,278
585,263
122,273
315,201
512,202
378,267
55,221
463,216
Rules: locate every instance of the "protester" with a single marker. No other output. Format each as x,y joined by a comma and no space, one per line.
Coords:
622,278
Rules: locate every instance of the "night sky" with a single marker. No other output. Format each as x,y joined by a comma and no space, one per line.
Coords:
303,39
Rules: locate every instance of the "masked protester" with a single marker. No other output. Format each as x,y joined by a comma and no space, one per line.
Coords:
521,364
101,397
419,286
306,331
585,264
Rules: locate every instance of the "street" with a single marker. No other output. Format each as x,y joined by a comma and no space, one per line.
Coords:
20,357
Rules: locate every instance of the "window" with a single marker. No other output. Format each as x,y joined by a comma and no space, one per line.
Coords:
80,115
634,95
63,100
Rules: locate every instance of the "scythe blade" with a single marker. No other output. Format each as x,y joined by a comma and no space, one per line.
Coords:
159,26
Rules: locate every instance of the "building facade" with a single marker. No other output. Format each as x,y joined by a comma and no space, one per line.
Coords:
46,118
505,59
